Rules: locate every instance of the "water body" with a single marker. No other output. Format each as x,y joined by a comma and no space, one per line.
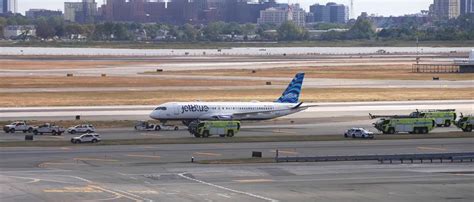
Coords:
229,52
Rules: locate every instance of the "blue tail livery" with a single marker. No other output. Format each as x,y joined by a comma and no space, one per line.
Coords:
293,91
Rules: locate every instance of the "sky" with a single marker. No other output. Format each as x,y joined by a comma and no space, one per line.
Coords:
379,7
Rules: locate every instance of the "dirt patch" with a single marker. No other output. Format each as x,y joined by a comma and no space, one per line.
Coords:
63,64
157,97
390,72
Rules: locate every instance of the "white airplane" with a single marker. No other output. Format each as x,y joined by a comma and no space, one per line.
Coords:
188,112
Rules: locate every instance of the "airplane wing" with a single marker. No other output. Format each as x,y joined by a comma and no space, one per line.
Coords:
255,113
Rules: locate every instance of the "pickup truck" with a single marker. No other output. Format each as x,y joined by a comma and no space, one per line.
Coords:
17,126
48,128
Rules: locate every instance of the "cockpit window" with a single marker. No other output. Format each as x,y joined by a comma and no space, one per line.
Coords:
161,108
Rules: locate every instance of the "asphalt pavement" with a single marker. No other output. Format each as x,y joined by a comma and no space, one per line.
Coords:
165,173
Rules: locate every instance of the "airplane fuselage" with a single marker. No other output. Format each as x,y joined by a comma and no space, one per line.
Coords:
223,110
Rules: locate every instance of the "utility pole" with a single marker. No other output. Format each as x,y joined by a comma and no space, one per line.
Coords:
417,50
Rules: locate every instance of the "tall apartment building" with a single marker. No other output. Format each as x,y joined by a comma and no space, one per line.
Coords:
83,12
9,6
71,11
331,12
135,10
89,11
298,15
279,15
447,8
3,6
467,7
318,12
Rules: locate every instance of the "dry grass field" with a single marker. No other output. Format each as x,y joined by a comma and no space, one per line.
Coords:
91,82
391,72
63,64
157,97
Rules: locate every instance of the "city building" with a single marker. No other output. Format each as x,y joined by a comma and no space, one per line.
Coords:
82,12
467,7
279,15
185,11
298,15
447,8
244,11
330,13
37,13
134,11
89,11
273,16
318,11
71,9
9,6
19,31
3,6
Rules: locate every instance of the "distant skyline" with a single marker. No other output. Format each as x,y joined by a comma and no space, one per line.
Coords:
379,7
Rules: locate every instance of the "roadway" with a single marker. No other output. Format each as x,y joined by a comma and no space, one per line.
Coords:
165,173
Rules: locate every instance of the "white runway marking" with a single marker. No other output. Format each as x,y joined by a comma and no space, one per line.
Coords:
227,189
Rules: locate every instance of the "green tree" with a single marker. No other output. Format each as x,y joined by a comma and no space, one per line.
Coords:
362,29
57,23
288,31
327,26
121,32
18,20
248,29
3,23
152,30
232,28
189,32
74,29
43,29
213,30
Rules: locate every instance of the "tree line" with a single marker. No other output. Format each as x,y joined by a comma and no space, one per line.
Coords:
461,28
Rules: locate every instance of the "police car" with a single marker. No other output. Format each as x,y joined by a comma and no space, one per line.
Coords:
84,128
88,137
359,133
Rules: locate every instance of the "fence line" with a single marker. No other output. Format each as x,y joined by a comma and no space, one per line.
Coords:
435,68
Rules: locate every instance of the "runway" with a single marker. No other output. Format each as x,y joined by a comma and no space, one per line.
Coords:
326,119
165,173
35,51
139,112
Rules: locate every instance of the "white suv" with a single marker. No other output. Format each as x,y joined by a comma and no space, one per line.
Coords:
85,128
359,133
89,137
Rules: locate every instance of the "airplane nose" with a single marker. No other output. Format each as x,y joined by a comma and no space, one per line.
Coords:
154,114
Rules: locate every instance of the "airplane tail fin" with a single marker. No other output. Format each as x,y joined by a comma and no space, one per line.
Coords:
292,92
